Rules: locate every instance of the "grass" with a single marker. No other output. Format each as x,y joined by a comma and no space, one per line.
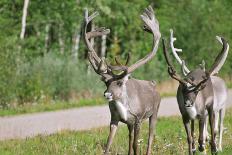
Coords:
51,106
170,140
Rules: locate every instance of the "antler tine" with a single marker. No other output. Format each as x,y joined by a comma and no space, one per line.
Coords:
152,25
221,58
182,68
91,17
171,69
175,50
117,61
127,60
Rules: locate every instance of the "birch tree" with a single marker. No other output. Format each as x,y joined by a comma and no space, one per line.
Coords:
24,18
77,37
61,39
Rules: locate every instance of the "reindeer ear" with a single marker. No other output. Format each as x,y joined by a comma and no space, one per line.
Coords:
202,65
125,79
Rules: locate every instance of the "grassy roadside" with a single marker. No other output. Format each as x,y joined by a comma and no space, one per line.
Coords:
170,139
30,108
53,106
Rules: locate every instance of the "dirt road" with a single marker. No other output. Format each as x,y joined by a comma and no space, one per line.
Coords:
77,119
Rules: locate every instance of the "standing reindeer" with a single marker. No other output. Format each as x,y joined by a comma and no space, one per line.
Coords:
130,100
219,86
200,93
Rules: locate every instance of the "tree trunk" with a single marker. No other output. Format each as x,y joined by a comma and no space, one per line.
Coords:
76,45
24,17
47,28
61,40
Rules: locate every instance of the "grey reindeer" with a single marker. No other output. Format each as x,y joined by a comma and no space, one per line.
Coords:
200,93
130,100
219,86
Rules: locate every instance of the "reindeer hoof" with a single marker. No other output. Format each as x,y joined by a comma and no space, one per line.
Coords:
194,150
214,151
201,148
106,153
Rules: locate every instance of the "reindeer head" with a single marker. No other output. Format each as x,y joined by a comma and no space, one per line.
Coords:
197,79
116,83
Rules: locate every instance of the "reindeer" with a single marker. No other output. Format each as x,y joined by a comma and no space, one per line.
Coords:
219,86
130,100
199,94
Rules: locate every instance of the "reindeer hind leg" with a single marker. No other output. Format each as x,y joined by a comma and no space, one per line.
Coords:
221,127
152,122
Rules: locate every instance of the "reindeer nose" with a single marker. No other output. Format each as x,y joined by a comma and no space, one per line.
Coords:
108,95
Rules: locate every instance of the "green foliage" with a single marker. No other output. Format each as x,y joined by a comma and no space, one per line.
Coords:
93,142
54,76
34,67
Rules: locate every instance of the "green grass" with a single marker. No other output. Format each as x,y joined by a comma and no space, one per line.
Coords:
51,106
170,140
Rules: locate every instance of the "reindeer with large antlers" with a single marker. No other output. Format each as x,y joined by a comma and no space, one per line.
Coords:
199,94
130,100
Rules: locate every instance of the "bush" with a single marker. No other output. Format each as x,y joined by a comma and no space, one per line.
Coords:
54,77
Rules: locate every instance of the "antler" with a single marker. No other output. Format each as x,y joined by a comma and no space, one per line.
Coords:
98,64
221,58
174,51
151,25
171,69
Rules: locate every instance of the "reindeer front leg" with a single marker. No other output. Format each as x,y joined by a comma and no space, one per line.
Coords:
113,129
201,139
189,136
192,134
136,137
212,127
131,138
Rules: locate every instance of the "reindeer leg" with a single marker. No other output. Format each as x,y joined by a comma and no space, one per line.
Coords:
152,122
206,134
201,139
216,122
189,137
136,137
193,139
113,129
131,138
221,127
212,127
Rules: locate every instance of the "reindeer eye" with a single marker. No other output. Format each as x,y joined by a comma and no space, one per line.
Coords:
119,83
192,78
